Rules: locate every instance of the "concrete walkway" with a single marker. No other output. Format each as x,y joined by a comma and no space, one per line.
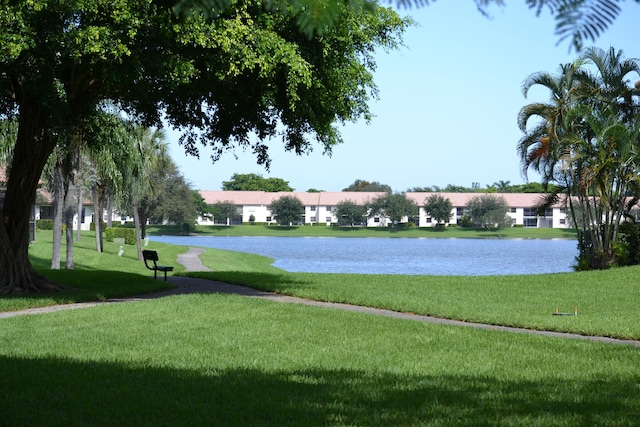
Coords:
189,285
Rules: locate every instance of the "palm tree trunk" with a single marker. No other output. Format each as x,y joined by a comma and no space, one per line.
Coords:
97,216
136,223
69,213
58,202
80,213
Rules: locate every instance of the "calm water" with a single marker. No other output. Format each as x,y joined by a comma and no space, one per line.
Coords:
468,257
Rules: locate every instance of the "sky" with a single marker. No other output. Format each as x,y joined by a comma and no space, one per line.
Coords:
447,108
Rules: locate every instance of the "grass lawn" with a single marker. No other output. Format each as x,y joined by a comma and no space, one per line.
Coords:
229,360
324,231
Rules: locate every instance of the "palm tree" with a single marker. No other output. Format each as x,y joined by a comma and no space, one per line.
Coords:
149,155
585,141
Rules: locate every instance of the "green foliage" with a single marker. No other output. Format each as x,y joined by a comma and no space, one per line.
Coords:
584,140
255,182
225,210
287,210
249,70
109,234
44,224
366,186
627,248
395,206
349,213
438,208
92,226
128,234
488,211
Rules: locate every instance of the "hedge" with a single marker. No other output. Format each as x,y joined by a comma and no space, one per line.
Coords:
129,234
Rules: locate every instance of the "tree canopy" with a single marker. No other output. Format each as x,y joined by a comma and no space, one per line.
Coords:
576,20
287,210
366,186
438,208
395,206
488,210
255,182
350,213
232,78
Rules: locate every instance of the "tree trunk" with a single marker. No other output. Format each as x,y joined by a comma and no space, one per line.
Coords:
97,215
31,151
58,202
136,223
69,210
80,213
109,211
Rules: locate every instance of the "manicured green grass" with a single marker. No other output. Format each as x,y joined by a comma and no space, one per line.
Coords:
324,231
96,276
607,301
229,360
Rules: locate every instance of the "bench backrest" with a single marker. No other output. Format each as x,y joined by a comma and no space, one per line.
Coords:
150,255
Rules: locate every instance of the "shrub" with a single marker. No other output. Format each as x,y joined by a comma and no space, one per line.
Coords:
44,224
109,234
129,235
92,226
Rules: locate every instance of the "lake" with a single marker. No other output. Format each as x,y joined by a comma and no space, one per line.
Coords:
439,256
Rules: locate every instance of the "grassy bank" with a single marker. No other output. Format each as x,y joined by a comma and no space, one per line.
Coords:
229,360
324,231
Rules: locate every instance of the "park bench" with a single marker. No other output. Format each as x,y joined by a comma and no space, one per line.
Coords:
152,256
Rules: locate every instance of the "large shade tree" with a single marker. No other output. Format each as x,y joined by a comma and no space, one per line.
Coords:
239,72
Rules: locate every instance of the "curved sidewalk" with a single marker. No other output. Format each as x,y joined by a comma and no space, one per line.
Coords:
190,285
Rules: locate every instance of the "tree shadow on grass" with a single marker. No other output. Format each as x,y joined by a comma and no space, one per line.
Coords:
90,284
279,283
56,392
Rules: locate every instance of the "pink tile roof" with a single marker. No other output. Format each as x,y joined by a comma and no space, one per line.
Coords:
514,200
262,198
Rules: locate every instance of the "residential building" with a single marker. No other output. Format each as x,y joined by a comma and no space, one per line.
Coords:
319,207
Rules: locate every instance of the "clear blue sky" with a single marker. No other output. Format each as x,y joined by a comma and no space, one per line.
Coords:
448,104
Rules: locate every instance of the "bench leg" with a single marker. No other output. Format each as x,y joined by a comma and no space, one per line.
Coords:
165,275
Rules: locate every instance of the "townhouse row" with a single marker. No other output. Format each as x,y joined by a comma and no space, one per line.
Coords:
320,207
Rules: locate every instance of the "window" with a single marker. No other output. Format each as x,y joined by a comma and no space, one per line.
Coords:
268,219
513,210
563,221
376,219
459,211
548,212
328,219
529,212
328,208
428,220
530,222
46,212
563,211
313,208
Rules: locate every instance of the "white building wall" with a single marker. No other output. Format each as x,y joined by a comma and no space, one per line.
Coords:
319,208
